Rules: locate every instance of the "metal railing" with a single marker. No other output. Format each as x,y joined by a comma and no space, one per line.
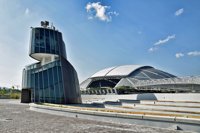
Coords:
166,81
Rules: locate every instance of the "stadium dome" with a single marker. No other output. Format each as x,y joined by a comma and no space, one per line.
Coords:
113,76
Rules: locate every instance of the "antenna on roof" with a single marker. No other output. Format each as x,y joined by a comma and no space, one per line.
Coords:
52,27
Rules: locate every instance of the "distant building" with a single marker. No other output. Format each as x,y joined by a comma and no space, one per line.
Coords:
137,78
52,79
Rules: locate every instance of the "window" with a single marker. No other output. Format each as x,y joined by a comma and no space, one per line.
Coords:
51,85
45,80
37,40
56,43
41,91
52,41
36,88
42,46
47,40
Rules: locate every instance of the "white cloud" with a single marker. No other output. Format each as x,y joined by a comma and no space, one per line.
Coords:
113,13
99,11
194,53
179,55
90,17
27,11
152,49
179,12
139,32
160,42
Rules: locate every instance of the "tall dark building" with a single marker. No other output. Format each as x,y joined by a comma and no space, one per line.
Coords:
52,79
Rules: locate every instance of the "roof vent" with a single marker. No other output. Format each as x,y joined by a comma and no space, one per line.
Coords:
45,24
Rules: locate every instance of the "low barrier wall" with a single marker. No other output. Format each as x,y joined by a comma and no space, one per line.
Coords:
190,97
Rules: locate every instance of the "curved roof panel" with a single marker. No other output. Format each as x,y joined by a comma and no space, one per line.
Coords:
103,72
124,70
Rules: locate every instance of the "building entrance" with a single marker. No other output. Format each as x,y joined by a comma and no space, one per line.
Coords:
26,96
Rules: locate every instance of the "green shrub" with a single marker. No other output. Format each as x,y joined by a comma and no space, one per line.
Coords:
15,95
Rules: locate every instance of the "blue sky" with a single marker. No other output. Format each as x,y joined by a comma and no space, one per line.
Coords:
100,34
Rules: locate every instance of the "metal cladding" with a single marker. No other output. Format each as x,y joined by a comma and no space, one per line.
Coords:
124,70
53,79
115,76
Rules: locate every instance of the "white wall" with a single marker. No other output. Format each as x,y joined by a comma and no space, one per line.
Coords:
195,97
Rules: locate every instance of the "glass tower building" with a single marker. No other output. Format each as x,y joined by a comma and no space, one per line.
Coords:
52,79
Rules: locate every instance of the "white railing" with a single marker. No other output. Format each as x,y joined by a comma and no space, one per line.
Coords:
168,81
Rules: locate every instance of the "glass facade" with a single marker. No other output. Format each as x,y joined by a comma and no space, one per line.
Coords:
49,81
49,41
46,82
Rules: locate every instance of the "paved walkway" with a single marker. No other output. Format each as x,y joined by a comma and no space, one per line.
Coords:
17,118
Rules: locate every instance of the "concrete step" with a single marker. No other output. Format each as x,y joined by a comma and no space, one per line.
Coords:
163,108
146,111
185,104
162,103
187,123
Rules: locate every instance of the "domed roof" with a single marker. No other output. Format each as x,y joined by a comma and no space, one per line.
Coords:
124,70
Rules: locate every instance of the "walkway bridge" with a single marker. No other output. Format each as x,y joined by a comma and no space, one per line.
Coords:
180,83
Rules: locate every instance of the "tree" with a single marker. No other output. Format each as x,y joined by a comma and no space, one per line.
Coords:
3,91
